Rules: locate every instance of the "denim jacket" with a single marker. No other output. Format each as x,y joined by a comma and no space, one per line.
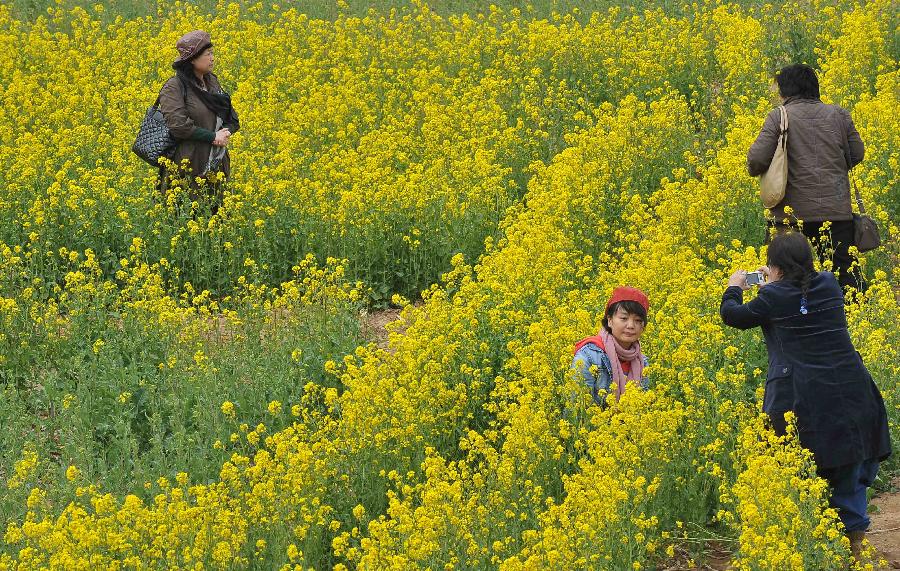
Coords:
593,364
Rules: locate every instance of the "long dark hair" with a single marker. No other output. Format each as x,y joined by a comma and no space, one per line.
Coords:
792,254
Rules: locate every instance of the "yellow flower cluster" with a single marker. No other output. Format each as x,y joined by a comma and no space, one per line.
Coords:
774,489
186,526
583,153
139,367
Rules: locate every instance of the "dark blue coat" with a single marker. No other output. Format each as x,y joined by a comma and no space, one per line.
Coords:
814,370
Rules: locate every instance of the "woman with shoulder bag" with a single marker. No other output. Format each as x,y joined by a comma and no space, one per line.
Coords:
822,146
815,372
199,115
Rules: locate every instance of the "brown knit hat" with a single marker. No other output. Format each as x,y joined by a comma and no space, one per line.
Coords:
191,44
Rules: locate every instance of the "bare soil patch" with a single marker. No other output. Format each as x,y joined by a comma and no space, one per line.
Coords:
716,556
374,324
884,532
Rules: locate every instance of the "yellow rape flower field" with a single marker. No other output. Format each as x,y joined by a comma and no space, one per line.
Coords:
182,390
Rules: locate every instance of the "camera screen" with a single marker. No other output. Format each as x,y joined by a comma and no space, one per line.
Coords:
754,278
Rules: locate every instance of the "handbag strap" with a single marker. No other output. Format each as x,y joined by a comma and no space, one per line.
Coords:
852,179
784,119
859,200
183,94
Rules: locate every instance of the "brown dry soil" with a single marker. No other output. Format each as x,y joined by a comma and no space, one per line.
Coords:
373,325
884,533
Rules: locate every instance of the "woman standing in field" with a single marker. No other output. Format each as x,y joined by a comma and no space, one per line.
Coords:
815,372
822,146
199,114
611,359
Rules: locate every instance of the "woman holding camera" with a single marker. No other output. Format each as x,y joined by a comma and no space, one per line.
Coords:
815,372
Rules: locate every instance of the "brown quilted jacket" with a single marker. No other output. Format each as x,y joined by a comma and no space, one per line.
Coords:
823,144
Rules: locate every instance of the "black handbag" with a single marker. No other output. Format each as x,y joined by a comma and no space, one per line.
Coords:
154,139
865,231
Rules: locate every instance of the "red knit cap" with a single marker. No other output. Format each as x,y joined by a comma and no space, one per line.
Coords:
625,293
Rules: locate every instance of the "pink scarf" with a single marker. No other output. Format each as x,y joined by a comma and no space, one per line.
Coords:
615,352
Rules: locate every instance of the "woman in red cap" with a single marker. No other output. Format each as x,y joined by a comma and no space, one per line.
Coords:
199,114
611,359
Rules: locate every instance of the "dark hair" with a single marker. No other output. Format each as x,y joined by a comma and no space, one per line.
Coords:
185,66
798,80
792,254
631,307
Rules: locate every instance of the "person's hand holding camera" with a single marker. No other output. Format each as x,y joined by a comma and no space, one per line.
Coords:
739,279
745,280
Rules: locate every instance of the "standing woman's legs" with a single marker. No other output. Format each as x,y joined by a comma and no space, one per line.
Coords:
848,492
775,228
162,183
848,496
843,236
210,195
834,245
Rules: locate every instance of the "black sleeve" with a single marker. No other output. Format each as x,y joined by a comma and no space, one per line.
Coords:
736,313
205,135
233,123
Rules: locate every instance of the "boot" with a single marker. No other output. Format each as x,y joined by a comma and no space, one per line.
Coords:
856,543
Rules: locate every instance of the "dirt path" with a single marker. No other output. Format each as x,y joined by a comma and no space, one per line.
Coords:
884,533
373,325
715,557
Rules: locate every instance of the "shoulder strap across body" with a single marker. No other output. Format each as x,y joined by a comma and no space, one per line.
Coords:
866,236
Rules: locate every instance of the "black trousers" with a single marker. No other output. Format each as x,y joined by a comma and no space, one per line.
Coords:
831,245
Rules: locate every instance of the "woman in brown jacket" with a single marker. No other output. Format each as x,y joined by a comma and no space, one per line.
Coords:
199,114
823,145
